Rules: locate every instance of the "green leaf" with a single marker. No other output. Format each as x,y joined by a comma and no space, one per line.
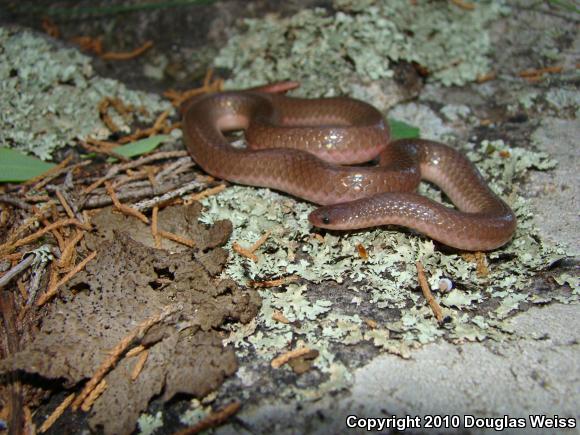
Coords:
15,166
402,130
142,146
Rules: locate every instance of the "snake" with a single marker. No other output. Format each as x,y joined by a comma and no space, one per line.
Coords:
337,152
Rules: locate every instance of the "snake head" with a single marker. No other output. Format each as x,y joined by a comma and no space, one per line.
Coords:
333,217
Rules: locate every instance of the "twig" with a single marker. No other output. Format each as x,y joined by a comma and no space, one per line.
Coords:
167,196
16,270
15,202
116,353
427,292
124,208
59,410
279,361
212,420
170,168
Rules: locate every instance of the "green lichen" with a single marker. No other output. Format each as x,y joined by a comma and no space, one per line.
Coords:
361,41
50,96
562,98
148,423
196,412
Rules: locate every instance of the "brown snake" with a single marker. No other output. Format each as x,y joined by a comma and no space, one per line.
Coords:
299,145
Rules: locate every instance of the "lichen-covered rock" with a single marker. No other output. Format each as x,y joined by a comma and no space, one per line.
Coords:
50,95
362,41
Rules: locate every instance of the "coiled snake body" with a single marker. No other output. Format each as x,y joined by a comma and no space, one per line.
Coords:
299,146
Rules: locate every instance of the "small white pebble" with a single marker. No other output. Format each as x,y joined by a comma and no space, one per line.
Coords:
445,284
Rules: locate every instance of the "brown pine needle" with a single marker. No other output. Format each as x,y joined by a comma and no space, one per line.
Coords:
66,254
53,289
8,247
122,207
204,194
274,282
176,238
178,98
48,173
154,229
212,420
59,410
134,164
207,78
118,351
65,204
480,259
93,396
105,151
22,289
50,28
260,241
278,316
244,252
135,351
160,121
139,365
463,5
371,323
55,232
279,361
427,292
249,252
129,54
541,71
486,77
102,143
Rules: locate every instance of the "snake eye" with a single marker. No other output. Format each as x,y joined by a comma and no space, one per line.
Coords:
325,219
